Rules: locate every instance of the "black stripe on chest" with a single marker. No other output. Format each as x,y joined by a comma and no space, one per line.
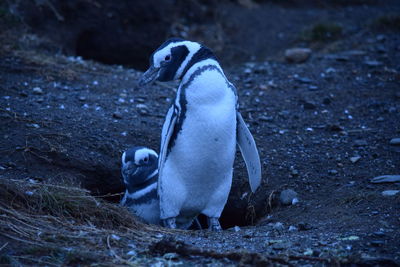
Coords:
146,198
134,188
183,104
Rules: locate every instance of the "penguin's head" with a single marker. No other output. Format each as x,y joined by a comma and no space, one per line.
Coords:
139,164
172,59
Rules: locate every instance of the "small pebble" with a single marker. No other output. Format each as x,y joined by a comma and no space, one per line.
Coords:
278,226
389,193
386,179
171,256
37,91
395,141
377,243
360,142
372,63
33,125
309,105
287,196
302,226
297,55
379,233
131,253
355,159
117,115
23,93
332,172
292,228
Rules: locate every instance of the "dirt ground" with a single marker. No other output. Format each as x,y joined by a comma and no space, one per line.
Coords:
323,129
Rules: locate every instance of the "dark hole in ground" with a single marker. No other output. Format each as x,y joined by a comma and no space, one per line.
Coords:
92,45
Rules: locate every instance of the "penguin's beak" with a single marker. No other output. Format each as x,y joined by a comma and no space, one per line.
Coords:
149,76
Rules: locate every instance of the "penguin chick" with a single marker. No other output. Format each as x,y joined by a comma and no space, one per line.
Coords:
140,174
199,135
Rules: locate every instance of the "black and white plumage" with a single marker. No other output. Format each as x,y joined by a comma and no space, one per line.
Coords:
140,175
199,135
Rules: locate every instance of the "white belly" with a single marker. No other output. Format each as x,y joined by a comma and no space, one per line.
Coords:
197,174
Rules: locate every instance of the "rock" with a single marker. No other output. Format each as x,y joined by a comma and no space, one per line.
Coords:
308,252
37,91
308,104
280,245
355,159
117,115
294,172
349,238
303,79
82,98
287,196
389,193
372,63
266,118
278,226
360,142
379,234
395,141
235,229
171,256
292,228
23,94
297,55
335,128
33,125
386,179
377,243
332,172
142,108
302,226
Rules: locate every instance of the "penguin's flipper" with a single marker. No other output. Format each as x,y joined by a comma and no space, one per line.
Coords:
167,130
248,148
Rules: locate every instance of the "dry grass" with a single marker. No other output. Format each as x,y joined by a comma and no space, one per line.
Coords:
54,224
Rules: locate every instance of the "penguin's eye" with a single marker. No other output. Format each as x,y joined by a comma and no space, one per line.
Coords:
167,58
146,159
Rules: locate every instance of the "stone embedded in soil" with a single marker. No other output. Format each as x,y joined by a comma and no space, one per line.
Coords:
302,226
395,141
287,196
37,91
377,243
297,55
386,179
23,94
143,109
303,79
33,125
280,245
360,142
355,159
372,63
332,172
117,115
308,105
390,193
278,226
335,128
171,256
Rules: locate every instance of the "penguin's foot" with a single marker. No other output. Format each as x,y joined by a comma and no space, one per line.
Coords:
213,224
169,223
